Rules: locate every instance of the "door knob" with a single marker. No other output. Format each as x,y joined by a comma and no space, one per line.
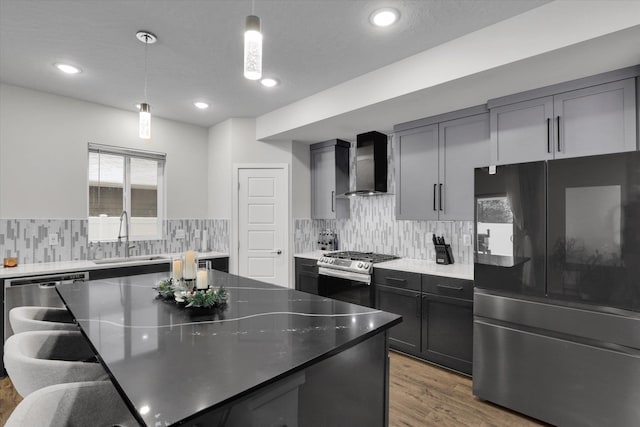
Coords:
279,252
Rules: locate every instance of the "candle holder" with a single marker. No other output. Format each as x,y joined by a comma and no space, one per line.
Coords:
202,279
190,268
177,264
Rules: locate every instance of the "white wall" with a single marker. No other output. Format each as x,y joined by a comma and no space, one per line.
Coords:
301,188
219,142
43,154
234,141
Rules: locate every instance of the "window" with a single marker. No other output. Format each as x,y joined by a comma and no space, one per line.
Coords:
120,180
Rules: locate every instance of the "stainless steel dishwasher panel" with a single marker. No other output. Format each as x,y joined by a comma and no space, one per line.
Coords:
35,291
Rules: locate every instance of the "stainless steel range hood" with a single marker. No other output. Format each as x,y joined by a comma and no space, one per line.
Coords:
371,165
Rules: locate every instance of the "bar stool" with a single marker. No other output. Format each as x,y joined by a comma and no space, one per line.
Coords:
38,359
95,403
25,319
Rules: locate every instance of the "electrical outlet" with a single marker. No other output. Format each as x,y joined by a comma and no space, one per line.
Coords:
53,239
466,239
180,234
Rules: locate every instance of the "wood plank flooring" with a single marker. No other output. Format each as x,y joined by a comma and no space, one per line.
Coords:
420,395
423,395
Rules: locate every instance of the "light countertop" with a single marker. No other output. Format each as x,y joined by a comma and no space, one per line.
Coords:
311,255
422,266
457,271
23,270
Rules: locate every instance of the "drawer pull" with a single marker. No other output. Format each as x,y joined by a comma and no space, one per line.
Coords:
393,279
451,288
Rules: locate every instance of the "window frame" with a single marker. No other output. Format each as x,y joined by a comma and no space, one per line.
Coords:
128,154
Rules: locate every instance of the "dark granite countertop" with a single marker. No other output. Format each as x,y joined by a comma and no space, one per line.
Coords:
172,364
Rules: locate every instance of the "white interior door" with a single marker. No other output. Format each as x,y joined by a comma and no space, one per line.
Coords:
263,206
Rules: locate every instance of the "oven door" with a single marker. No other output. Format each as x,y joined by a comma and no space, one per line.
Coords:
346,286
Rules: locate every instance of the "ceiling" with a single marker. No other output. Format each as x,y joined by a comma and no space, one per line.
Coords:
309,45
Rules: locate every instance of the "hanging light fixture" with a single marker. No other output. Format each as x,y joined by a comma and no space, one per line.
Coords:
252,47
144,126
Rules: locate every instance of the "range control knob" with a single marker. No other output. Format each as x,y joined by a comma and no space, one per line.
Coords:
331,261
321,259
359,265
366,265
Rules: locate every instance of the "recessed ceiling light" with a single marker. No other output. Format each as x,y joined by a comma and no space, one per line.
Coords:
69,69
269,82
384,17
201,105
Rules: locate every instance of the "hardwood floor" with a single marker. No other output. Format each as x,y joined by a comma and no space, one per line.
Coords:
9,398
421,395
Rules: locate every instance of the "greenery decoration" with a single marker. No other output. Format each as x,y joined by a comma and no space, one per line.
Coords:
196,298
208,298
166,288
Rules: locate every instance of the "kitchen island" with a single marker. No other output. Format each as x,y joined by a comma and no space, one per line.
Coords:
272,355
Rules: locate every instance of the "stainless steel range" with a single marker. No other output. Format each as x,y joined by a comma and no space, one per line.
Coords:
346,276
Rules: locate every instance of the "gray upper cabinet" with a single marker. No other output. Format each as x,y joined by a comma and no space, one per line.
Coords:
522,131
329,179
597,119
464,146
417,173
435,162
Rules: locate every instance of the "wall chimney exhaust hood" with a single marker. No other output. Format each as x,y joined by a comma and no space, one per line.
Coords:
371,165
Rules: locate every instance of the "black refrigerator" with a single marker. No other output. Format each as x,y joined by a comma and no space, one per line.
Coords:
557,289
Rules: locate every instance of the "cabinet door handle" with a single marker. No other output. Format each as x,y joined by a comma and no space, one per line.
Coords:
418,306
332,198
548,135
434,196
558,131
440,196
452,288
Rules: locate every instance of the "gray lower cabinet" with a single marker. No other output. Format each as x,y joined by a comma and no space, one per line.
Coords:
306,272
220,264
447,331
405,336
437,316
597,119
329,179
434,167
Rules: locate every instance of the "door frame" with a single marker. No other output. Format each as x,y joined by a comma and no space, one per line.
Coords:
235,212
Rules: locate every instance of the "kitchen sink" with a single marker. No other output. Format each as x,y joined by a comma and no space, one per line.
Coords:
129,259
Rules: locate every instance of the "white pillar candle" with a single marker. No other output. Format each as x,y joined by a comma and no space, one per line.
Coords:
190,265
177,269
202,281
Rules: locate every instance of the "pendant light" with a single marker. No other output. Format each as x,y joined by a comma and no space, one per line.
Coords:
252,47
144,126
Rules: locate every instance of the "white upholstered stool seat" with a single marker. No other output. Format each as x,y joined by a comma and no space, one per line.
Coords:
38,359
82,404
23,319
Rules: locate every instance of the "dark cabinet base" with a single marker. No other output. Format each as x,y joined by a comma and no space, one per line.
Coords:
437,317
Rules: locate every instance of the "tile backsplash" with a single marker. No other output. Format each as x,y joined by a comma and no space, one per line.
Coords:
372,226
28,239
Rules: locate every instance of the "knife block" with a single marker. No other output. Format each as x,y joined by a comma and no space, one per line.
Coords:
444,255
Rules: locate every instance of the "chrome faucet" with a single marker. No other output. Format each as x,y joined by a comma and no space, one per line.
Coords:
127,247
